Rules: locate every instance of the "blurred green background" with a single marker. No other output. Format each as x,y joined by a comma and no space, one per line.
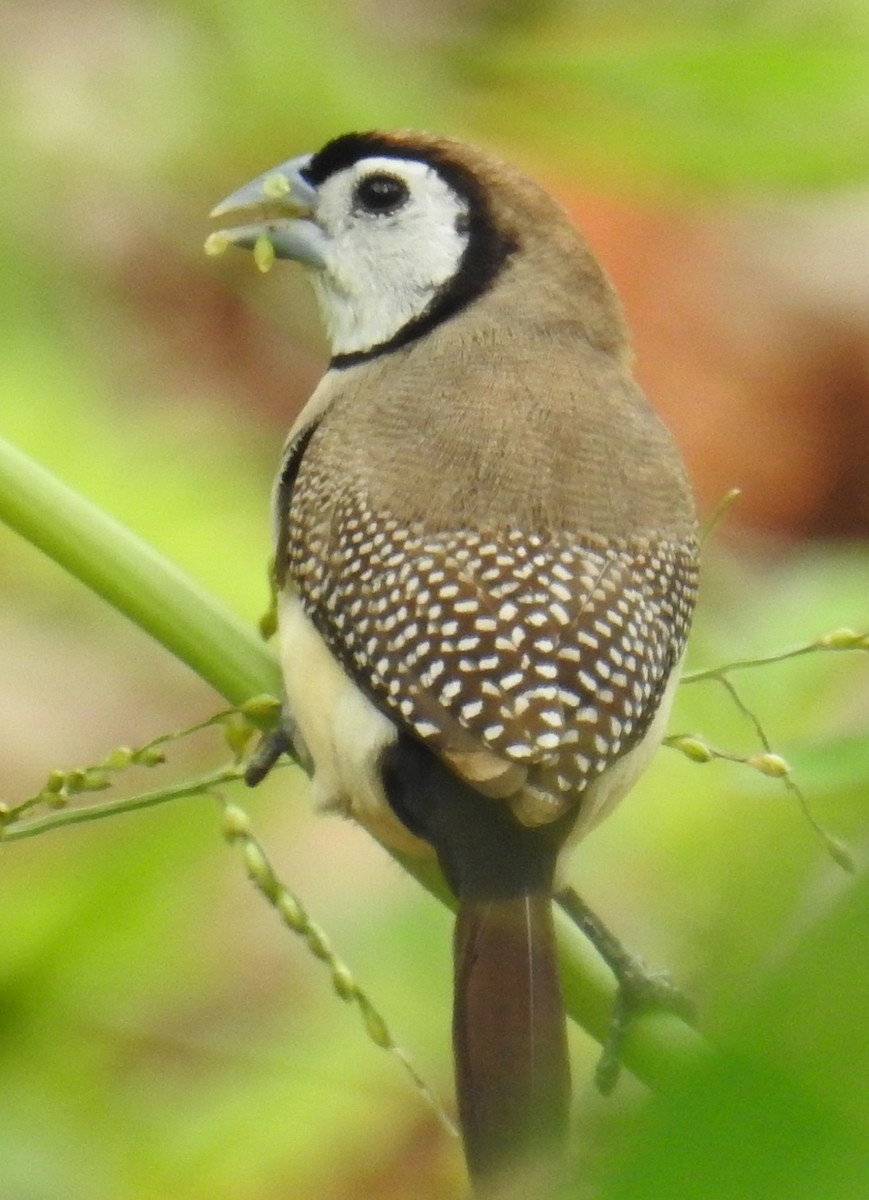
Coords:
159,1033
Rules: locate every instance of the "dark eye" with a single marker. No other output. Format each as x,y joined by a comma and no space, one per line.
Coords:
380,194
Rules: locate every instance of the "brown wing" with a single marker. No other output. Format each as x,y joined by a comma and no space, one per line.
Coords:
511,655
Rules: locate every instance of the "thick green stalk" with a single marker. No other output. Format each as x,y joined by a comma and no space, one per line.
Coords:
132,576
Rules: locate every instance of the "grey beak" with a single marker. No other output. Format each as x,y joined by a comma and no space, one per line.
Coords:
280,205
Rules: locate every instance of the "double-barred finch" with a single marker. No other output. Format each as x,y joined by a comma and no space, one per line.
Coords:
487,565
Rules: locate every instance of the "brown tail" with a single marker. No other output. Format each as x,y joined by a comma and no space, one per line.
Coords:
509,1037
512,1073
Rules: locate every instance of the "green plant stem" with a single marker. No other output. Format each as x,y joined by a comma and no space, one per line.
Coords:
117,565
199,786
768,660
204,634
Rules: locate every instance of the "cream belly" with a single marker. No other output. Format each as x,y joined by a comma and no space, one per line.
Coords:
342,732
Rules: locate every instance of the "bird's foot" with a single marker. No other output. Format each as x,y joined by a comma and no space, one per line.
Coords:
279,741
638,989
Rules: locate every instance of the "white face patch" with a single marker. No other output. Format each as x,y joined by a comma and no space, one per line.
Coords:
383,268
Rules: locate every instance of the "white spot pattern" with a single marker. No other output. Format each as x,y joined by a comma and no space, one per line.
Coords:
550,649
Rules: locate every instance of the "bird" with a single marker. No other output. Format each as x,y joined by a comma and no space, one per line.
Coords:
486,559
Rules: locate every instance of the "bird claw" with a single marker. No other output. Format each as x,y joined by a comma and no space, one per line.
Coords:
638,990
279,741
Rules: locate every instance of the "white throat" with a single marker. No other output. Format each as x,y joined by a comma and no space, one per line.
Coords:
382,271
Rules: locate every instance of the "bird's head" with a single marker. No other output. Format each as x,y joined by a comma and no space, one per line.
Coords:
401,231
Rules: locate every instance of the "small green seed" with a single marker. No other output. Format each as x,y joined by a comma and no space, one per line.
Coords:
268,624
237,732
292,912
56,781
258,867
375,1025
118,759
264,253
769,764
235,822
275,186
318,943
840,639
95,781
343,982
216,244
694,749
149,756
263,705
